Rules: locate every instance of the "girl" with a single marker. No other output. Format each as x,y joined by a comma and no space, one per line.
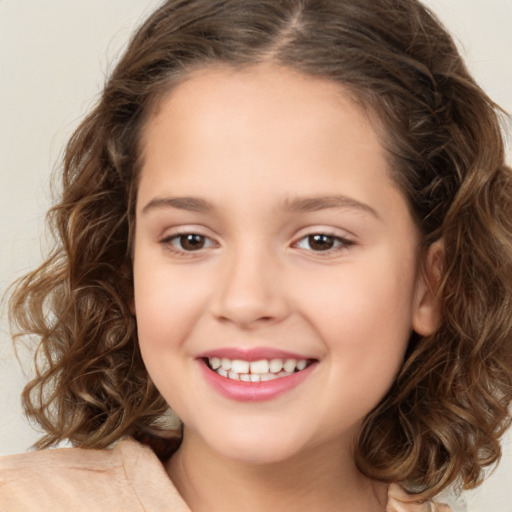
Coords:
283,271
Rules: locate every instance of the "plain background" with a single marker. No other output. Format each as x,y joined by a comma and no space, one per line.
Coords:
54,55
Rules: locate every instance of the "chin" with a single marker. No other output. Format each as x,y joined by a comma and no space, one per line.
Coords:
256,448
259,455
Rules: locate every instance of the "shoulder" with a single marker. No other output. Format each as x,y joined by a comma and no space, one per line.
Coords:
69,458
82,479
34,481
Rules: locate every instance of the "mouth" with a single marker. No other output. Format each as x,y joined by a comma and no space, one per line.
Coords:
255,374
261,370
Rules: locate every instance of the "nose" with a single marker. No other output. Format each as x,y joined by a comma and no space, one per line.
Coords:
250,291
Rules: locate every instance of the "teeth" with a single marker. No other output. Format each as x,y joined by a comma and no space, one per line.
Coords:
268,376
301,364
276,365
289,365
215,363
259,366
240,366
256,371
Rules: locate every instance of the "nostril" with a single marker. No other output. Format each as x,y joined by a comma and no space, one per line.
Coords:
246,319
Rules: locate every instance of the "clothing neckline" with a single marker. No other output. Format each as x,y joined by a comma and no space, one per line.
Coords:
154,489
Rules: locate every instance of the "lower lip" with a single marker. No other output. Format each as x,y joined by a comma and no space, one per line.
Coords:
253,391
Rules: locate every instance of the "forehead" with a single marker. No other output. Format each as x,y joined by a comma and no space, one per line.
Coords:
239,129
261,81
264,106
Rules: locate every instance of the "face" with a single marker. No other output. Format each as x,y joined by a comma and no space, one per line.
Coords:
275,262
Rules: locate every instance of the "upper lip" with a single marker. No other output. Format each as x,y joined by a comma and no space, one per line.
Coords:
251,354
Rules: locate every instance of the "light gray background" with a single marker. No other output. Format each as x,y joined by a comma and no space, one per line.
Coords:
54,55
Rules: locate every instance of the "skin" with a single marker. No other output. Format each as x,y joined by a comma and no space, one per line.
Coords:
251,144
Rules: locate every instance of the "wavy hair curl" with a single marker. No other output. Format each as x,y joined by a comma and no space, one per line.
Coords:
444,415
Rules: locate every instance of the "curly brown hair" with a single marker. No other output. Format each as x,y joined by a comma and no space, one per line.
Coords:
443,417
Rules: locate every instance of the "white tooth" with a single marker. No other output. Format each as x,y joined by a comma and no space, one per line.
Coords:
233,375
289,365
226,364
246,377
268,376
302,364
222,373
259,366
284,374
214,362
239,366
255,378
276,365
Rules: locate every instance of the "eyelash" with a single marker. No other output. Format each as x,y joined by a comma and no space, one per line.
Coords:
339,243
179,237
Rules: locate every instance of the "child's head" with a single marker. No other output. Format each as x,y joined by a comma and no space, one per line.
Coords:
403,89
268,228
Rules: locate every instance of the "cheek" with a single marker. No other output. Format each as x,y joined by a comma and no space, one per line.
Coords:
363,314
364,323
168,304
360,300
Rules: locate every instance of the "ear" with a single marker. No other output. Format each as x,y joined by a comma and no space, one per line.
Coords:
426,307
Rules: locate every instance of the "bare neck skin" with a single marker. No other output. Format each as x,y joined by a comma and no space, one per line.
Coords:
315,480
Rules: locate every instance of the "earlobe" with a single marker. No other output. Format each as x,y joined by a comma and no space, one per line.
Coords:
426,310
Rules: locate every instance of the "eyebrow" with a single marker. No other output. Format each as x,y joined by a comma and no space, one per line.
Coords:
296,205
191,204
313,204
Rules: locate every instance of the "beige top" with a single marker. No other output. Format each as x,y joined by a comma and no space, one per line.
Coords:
127,478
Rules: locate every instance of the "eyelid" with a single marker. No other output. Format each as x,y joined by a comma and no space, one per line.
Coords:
185,229
326,230
345,239
175,233
179,235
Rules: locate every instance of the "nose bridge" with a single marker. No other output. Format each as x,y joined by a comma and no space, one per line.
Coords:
249,289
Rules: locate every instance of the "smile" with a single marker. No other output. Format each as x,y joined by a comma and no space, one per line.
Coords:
261,370
255,374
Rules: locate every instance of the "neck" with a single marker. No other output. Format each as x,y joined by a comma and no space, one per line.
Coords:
313,480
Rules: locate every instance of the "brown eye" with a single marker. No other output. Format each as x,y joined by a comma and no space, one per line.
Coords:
188,242
321,242
191,242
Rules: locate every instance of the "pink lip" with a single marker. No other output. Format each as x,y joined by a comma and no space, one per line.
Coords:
253,391
251,354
